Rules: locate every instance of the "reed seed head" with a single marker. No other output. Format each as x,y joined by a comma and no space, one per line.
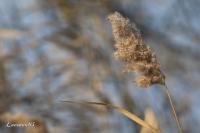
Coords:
131,49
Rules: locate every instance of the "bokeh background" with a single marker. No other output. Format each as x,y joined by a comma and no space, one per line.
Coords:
52,50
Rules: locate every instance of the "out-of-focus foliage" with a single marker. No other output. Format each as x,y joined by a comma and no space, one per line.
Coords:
52,50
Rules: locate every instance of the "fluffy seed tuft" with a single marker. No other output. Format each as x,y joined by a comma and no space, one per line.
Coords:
131,49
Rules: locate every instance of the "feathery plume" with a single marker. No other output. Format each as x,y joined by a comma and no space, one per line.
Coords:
138,56
131,49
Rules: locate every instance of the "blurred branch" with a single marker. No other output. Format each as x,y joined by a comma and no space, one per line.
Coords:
6,96
10,33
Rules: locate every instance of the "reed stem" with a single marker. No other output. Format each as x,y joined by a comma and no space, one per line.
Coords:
123,111
173,109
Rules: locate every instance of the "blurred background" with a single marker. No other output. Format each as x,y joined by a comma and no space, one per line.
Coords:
53,50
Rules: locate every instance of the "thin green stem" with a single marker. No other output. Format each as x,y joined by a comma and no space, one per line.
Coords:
173,109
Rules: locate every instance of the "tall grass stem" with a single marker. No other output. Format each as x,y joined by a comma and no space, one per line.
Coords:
173,109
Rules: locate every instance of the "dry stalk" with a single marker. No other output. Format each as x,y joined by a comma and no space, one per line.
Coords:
123,111
173,108
149,118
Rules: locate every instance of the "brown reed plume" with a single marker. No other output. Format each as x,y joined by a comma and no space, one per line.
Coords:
132,50
137,56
